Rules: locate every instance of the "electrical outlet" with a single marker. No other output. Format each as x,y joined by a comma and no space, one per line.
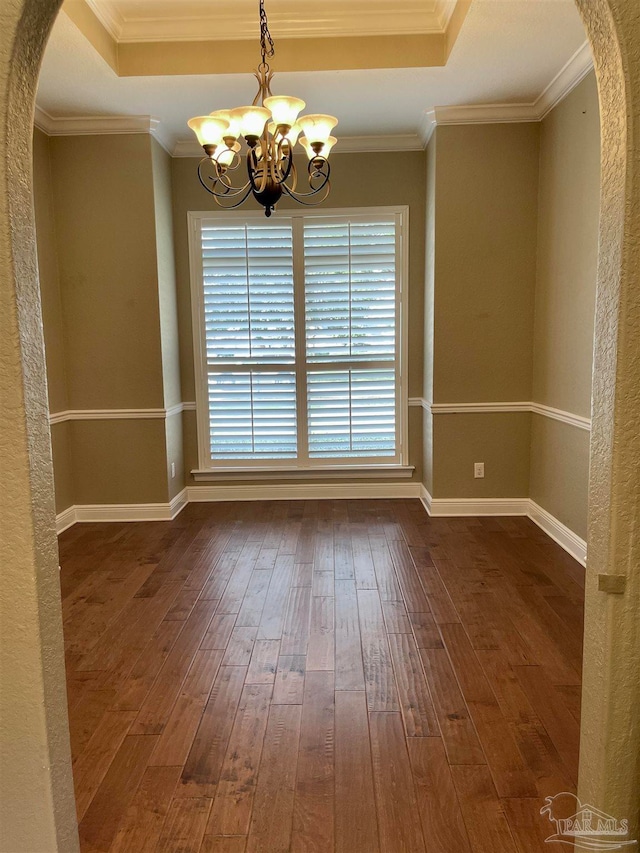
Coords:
173,470
478,470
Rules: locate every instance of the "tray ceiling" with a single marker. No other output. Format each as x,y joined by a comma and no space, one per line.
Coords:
186,20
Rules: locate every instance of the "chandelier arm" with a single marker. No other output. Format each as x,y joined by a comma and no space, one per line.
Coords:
253,169
230,192
235,204
314,191
289,161
299,197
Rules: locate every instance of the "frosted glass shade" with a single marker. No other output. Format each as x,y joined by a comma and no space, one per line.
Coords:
327,145
251,120
224,155
317,128
292,134
234,124
284,109
208,130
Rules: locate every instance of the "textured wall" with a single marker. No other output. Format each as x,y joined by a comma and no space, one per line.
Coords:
610,730
569,212
37,807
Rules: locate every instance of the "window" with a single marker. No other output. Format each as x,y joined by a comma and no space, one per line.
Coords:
298,339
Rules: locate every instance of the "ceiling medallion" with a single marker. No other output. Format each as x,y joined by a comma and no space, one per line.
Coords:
271,128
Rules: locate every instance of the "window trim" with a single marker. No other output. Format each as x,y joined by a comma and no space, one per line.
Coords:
265,468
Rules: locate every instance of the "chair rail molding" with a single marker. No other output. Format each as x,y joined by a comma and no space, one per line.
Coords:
486,408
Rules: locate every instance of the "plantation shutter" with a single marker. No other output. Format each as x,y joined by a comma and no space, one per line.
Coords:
350,300
247,273
300,322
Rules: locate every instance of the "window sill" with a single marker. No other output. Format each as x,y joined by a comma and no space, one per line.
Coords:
327,472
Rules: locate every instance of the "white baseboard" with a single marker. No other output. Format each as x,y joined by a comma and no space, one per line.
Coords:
122,512
435,507
559,532
442,507
199,494
65,519
178,503
307,491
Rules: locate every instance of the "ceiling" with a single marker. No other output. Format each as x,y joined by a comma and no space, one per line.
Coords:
507,53
160,20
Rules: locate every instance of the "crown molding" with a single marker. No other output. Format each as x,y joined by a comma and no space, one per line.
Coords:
94,125
346,145
109,16
365,144
566,80
483,114
337,20
575,70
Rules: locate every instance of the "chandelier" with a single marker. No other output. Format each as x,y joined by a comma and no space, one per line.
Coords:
271,128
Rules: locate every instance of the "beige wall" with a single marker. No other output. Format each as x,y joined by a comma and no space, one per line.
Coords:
168,304
52,318
166,271
105,237
429,296
482,235
565,301
485,259
500,200
354,184
104,211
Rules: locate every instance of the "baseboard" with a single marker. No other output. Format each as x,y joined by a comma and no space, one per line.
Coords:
426,499
559,532
65,519
477,506
555,529
198,494
178,503
435,507
306,491
121,512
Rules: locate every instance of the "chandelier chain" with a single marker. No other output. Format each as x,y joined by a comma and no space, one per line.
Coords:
266,41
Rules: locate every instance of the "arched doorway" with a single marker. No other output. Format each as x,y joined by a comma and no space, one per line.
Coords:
36,780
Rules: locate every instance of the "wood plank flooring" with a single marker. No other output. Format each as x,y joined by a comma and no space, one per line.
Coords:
319,676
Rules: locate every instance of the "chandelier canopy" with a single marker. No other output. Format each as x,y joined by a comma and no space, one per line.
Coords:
271,128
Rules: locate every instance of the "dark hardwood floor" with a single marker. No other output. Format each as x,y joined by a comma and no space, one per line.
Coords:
318,676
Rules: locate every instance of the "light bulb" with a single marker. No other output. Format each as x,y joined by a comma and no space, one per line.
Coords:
251,120
324,150
234,126
208,130
317,128
284,109
291,135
